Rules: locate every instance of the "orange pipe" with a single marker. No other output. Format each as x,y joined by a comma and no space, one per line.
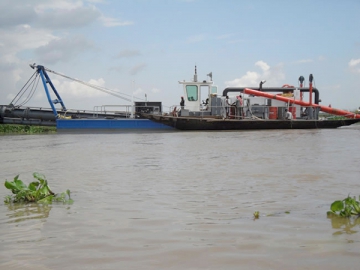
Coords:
347,114
326,109
310,88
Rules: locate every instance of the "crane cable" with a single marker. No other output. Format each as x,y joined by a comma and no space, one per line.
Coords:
102,89
23,90
32,91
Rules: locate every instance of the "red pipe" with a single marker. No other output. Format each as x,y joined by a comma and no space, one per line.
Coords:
310,89
326,109
347,114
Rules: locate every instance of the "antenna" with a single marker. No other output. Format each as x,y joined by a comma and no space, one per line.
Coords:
195,75
210,75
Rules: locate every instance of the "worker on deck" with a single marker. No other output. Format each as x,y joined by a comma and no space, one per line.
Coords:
288,115
240,109
182,102
227,106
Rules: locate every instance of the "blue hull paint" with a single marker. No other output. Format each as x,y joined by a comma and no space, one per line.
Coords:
109,124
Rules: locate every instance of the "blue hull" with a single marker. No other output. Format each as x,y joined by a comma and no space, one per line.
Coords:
109,124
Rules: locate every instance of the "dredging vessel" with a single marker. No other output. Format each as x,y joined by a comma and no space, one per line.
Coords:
204,109
261,108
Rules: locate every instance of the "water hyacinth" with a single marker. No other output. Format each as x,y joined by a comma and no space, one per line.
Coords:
37,191
345,208
25,129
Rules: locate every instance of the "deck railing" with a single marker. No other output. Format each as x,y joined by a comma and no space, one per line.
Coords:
248,112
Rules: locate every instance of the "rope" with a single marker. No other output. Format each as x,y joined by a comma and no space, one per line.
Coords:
32,91
100,88
22,89
256,118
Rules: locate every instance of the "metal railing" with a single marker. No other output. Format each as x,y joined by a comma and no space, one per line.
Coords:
248,112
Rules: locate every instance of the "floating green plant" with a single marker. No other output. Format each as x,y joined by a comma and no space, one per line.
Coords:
345,208
256,214
25,129
37,191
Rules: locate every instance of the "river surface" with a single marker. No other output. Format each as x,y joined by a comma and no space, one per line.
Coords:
183,200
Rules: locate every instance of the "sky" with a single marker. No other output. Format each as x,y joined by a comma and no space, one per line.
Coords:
145,47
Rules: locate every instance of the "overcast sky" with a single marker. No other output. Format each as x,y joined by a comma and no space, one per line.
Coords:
147,46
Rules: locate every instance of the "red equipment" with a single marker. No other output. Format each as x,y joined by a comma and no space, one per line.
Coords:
326,109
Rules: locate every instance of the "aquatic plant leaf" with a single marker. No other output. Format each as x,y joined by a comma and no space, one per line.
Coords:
60,197
40,177
47,199
68,193
70,201
10,185
20,184
337,206
356,207
33,186
348,200
353,205
45,191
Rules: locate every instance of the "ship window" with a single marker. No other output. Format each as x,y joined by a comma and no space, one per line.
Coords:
204,92
214,90
192,92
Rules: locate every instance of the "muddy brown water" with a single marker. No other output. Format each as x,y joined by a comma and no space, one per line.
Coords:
184,200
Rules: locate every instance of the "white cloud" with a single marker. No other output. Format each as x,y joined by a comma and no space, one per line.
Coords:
354,62
272,75
46,6
14,14
262,65
111,22
251,78
354,65
63,14
68,14
63,49
30,33
30,38
69,90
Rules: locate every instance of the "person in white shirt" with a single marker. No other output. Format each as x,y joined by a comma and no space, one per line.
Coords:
288,115
241,113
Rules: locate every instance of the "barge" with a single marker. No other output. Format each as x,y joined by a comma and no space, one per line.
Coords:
261,108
